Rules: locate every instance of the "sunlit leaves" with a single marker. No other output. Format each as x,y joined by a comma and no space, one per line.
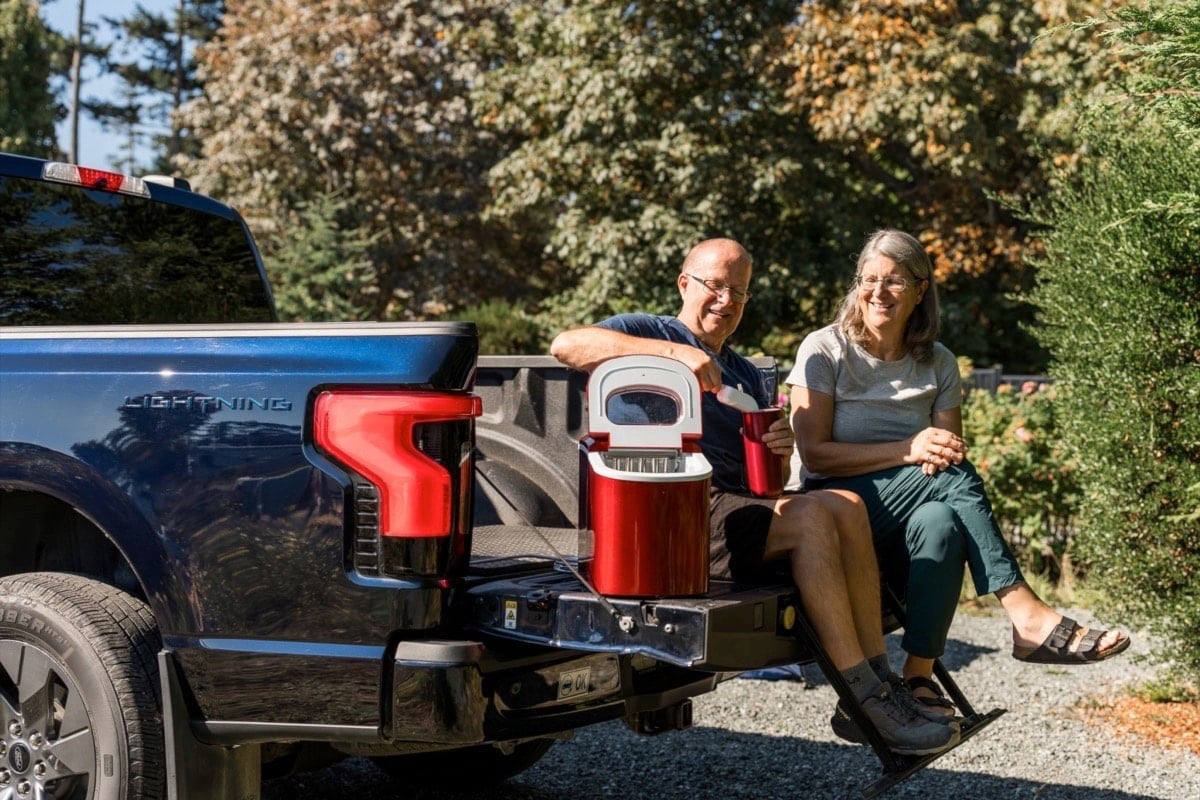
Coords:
644,128
951,107
361,99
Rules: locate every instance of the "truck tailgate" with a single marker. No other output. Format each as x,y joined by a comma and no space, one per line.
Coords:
732,628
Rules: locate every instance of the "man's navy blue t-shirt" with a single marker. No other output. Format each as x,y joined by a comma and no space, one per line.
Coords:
721,441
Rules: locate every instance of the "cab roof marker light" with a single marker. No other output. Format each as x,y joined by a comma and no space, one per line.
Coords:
97,179
168,180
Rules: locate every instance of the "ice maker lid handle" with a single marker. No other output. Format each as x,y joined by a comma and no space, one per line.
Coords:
653,375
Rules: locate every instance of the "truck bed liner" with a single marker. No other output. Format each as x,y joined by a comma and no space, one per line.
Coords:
500,548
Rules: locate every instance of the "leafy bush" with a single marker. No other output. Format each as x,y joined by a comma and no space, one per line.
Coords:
505,329
1013,441
1120,289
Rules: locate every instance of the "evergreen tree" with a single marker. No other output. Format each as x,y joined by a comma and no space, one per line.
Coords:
84,49
125,116
27,108
71,54
320,271
1120,300
160,75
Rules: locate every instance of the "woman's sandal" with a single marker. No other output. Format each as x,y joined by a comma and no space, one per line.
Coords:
1057,647
938,702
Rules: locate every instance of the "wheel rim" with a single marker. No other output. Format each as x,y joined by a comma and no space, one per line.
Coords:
47,748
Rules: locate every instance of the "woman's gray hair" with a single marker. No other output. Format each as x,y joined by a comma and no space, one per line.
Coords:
924,325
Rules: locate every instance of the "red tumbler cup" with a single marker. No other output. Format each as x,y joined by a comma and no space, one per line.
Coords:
764,469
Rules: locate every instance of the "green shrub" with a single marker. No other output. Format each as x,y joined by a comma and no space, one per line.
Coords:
505,329
1120,296
1013,441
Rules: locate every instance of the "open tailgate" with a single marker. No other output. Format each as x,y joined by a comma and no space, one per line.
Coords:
732,628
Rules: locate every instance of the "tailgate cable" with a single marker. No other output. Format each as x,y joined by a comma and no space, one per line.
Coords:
625,622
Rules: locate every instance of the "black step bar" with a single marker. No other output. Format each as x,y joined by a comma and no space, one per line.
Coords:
896,767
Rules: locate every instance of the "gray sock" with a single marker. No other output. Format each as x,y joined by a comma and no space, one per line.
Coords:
862,679
880,664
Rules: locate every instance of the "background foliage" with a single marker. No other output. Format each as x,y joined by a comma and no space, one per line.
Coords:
644,128
159,74
1033,484
1120,300
563,157
939,108
27,108
364,100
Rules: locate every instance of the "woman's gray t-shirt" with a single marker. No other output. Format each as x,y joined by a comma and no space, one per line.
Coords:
873,400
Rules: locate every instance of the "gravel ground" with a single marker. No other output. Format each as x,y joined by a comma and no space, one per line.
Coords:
759,740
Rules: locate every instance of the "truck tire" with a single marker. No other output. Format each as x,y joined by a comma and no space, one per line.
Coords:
79,697
467,768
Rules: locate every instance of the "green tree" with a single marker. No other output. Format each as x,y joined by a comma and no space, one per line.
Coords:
646,127
84,49
74,55
27,108
160,75
125,116
363,100
1165,39
320,271
942,108
1120,302
796,128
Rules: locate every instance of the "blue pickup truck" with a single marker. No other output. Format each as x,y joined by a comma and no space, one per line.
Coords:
232,548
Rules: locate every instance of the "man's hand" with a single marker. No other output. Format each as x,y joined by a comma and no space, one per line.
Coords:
702,365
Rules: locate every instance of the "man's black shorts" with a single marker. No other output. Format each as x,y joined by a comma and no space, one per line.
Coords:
738,538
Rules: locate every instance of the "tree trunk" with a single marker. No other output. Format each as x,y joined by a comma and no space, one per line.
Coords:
176,143
76,85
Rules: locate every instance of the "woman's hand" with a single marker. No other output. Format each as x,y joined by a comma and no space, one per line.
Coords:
935,449
779,438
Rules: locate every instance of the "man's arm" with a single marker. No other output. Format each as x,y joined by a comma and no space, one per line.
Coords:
585,348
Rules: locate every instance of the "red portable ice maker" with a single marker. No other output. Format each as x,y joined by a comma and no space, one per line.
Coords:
647,482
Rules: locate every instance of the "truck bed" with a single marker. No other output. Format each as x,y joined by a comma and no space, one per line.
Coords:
496,548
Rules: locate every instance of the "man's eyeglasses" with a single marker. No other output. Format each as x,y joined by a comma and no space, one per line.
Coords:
719,289
892,283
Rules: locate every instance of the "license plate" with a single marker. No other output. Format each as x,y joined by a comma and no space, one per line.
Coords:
574,682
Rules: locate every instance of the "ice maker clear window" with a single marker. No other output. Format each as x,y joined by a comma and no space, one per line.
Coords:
643,407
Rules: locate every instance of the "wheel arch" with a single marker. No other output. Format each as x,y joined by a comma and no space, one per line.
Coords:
58,514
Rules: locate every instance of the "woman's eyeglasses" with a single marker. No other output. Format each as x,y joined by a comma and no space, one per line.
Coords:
892,283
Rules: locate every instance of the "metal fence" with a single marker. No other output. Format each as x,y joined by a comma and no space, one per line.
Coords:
992,378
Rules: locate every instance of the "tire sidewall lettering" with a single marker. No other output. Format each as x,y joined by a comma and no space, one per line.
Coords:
36,625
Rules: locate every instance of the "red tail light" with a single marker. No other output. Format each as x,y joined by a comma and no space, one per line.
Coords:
412,451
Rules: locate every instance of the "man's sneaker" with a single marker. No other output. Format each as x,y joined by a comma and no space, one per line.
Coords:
903,729
845,727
